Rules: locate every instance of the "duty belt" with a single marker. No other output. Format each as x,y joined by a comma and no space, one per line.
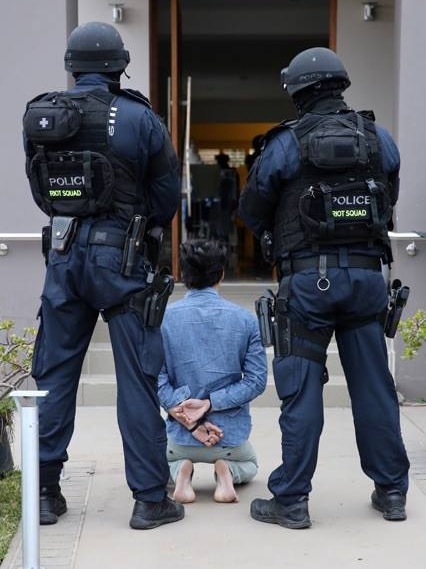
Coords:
105,237
289,266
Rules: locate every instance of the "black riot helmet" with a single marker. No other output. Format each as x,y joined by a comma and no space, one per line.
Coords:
313,66
95,47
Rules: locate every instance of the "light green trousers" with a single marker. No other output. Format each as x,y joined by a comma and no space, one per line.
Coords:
242,460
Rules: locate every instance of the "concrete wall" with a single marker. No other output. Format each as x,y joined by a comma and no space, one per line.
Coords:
21,282
385,62
368,51
411,112
410,375
411,210
32,43
135,33
35,65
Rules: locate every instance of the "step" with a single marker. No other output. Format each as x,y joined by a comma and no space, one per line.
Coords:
97,386
99,360
101,390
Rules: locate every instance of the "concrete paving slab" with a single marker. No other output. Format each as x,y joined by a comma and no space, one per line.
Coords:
346,532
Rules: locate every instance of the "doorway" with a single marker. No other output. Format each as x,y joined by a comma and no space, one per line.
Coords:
221,61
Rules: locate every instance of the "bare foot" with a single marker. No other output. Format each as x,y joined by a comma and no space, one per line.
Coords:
225,491
184,493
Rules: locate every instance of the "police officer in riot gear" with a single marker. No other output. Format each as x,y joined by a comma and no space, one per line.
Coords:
102,167
324,186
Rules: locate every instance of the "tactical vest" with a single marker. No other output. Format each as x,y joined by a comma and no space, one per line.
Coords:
340,195
71,168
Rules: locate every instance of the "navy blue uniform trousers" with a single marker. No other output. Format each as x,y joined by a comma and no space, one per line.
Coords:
354,294
77,286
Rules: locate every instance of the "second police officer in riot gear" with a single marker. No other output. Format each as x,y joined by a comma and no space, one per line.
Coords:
324,186
102,167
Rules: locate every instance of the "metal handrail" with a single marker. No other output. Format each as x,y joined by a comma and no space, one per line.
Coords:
395,235
20,236
406,236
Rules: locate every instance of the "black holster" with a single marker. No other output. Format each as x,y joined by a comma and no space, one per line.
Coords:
264,310
152,301
46,241
274,323
133,244
397,300
282,335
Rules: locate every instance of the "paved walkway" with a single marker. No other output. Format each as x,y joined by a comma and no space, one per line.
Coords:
346,532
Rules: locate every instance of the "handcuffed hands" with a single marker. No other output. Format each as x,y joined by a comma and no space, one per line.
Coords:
208,434
189,412
192,410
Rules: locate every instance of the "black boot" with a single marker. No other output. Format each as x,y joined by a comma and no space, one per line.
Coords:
148,515
391,504
293,516
52,505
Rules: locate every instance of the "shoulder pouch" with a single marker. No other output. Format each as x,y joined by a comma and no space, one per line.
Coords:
51,118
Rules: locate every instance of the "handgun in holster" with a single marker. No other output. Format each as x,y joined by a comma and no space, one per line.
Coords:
267,247
282,334
63,230
162,288
152,301
46,241
264,307
152,249
397,300
133,244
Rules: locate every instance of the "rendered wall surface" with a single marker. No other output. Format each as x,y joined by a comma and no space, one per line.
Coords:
32,44
368,52
385,60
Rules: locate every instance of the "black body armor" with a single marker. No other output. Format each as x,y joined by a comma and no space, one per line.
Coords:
70,166
341,195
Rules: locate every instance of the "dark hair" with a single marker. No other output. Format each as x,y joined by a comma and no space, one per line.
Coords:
202,262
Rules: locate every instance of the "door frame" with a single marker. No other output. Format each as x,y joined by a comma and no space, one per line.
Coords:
175,97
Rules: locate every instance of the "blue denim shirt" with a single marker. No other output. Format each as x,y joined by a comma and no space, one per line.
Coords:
212,349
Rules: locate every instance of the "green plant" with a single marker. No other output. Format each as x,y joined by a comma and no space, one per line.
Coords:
15,365
15,357
10,509
7,409
413,332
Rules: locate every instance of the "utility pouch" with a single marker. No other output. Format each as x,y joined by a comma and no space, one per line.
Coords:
397,300
152,302
264,310
63,233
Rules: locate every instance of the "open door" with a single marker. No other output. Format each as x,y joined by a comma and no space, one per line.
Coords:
235,97
175,120
173,10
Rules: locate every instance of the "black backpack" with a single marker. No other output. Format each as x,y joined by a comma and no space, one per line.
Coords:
64,178
349,201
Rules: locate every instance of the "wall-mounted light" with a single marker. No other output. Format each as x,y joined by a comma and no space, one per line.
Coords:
117,12
369,11
411,249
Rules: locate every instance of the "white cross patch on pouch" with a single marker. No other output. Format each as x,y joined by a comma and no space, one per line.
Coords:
44,123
